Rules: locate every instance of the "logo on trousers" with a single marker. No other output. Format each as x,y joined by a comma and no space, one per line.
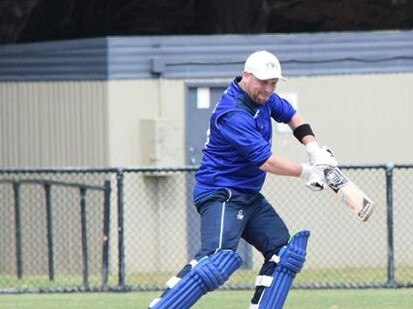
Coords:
240,215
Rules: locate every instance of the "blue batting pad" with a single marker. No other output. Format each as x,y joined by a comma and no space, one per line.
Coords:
207,275
292,259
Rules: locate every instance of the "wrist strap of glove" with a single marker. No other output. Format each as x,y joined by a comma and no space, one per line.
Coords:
312,148
306,171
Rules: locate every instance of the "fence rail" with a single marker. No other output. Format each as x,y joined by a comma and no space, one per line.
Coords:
59,232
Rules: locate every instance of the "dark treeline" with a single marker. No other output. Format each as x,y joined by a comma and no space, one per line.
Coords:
46,20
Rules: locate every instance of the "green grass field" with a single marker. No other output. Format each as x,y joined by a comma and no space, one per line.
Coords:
243,277
302,299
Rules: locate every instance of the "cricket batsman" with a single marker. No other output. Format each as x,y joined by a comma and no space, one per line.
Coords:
236,159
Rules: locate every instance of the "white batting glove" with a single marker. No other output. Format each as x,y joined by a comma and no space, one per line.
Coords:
320,156
314,176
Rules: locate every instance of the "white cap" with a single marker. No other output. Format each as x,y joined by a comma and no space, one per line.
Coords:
263,65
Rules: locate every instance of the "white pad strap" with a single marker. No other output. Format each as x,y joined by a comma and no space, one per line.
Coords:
193,263
154,302
254,306
172,282
264,281
275,259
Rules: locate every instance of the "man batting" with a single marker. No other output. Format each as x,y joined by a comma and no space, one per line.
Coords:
236,158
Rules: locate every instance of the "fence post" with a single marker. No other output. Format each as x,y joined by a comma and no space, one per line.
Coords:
17,222
390,229
83,220
106,235
121,248
49,224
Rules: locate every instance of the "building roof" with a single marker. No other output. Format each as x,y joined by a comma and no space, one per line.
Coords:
206,56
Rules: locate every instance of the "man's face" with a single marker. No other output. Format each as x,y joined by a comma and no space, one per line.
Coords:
258,90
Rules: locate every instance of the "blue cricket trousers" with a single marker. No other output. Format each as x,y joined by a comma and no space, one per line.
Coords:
228,215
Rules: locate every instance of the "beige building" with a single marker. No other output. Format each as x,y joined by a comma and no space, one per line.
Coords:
123,101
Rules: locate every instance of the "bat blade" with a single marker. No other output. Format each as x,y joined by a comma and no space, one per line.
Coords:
348,194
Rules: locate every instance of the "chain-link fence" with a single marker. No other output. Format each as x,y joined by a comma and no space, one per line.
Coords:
132,229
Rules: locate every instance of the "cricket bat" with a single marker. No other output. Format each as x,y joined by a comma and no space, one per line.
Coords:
348,194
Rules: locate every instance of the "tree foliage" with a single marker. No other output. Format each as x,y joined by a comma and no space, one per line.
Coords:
45,20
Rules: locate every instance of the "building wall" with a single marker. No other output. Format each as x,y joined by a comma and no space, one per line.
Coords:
145,120
363,118
49,124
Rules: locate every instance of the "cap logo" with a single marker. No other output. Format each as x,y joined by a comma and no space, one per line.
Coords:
270,65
